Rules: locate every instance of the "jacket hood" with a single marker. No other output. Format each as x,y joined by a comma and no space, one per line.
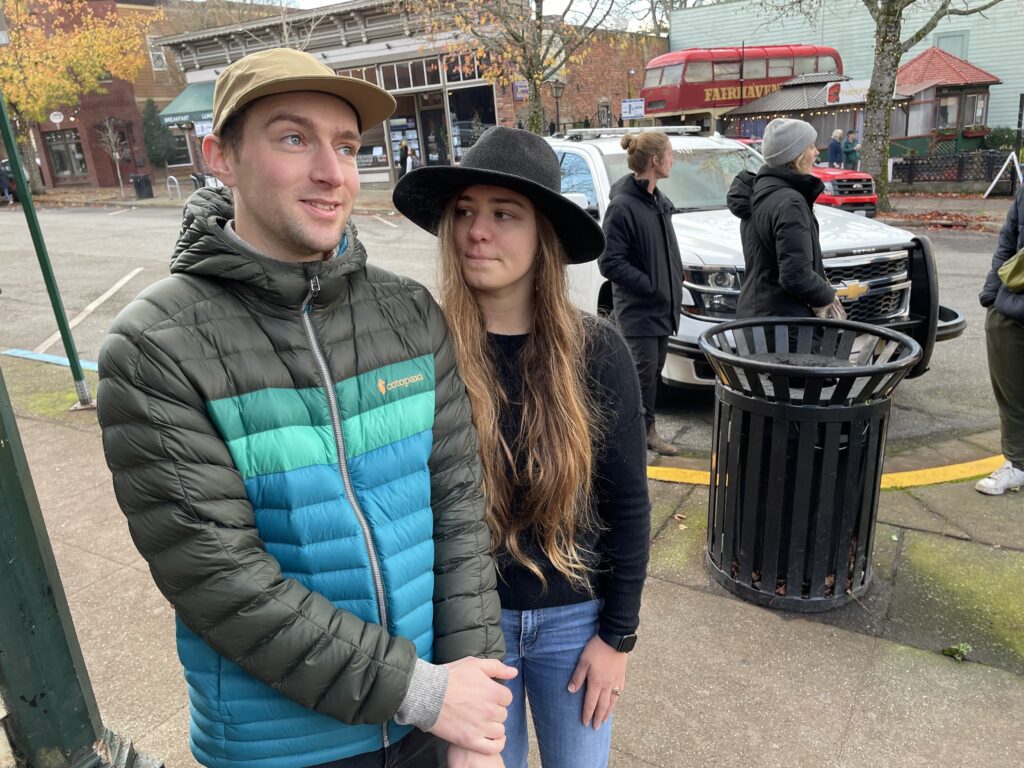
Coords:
740,193
770,179
630,186
204,249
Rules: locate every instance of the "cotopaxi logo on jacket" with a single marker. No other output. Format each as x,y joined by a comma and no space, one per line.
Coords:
387,386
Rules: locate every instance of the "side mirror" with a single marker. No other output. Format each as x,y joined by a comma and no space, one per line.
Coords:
581,200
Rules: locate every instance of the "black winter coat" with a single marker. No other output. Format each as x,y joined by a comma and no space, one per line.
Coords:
1011,240
785,275
641,259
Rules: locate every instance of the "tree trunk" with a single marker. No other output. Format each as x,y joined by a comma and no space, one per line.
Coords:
535,117
23,132
120,180
878,108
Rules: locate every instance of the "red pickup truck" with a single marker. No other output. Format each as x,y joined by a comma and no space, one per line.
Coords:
852,191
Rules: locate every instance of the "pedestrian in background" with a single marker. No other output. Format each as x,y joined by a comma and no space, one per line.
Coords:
643,263
1004,339
785,273
835,149
557,407
851,151
403,157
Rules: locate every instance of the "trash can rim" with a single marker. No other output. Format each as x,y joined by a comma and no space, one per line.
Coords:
806,371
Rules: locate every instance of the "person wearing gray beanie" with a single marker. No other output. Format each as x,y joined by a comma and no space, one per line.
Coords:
785,140
785,272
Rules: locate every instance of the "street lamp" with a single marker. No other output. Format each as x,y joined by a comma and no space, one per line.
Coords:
629,83
557,88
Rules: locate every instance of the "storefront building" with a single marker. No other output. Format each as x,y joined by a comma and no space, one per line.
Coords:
443,100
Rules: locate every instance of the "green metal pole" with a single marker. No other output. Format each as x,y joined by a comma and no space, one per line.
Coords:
25,195
54,720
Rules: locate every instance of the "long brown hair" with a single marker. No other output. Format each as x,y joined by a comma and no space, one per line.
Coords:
558,427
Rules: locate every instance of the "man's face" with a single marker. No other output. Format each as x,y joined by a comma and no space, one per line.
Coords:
294,176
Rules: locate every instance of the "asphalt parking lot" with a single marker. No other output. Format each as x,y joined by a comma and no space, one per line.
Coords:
102,258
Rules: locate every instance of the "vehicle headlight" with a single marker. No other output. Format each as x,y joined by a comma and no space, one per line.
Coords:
830,187
711,292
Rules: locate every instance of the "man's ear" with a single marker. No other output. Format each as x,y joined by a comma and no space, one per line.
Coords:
219,159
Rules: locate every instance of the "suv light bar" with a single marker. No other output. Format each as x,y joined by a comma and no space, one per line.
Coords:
593,133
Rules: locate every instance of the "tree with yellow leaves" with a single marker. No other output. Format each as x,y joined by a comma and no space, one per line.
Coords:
517,39
60,50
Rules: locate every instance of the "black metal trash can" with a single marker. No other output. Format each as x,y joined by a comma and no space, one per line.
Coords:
143,186
801,416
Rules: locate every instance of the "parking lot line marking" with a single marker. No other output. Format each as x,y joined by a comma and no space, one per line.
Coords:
88,310
950,473
88,365
123,210
385,221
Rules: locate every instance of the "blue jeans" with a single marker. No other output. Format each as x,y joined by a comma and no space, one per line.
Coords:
545,645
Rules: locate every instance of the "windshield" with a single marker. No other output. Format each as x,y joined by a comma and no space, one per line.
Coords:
700,177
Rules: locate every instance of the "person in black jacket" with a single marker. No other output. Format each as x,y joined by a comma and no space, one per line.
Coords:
642,262
1004,337
785,274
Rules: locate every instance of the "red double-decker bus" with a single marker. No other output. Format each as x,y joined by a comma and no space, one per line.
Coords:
698,85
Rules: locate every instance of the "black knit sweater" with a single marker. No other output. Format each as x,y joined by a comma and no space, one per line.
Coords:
620,547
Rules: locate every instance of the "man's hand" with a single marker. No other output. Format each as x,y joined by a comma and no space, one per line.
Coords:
602,669
460,757
474,709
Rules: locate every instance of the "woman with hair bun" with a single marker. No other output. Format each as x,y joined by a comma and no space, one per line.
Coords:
642,262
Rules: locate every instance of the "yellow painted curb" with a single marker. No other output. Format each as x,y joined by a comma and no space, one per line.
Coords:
931,476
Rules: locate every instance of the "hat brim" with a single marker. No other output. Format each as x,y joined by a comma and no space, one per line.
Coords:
423,194
372,104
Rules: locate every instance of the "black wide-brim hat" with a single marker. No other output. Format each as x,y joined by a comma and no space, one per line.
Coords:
503,157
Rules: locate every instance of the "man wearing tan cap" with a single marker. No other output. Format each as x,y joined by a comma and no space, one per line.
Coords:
292,446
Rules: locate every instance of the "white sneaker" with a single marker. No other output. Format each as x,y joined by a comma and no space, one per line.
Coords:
1006,478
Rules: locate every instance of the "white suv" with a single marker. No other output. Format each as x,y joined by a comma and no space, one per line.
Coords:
884,276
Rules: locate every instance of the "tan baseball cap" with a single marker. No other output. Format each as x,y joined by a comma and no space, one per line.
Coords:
285,70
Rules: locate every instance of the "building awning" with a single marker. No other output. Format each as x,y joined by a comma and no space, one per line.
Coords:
193,105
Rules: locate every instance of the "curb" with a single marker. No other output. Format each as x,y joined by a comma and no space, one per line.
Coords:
970,226
950,473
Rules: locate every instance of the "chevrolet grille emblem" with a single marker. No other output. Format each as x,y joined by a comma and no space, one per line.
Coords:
851,291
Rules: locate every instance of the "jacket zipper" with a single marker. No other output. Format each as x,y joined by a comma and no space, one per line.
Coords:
339,442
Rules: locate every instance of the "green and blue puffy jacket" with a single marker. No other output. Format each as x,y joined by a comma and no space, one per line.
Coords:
292,447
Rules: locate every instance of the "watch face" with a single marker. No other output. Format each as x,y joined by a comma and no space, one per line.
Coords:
627,642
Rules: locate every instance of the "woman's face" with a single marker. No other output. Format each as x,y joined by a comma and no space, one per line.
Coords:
805,162
496,235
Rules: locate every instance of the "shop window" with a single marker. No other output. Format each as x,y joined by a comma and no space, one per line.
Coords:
369,74
389,81
157,58
755,69
418,73
433,67
698,72
402,75
180,153
782,67
947,112
64,150
727,70
372,151
975,109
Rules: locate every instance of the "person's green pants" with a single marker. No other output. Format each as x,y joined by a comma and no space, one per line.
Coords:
1004,339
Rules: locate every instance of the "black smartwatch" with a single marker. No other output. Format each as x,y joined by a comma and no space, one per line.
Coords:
621,643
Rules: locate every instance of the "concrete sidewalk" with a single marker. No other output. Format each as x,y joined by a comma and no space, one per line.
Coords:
714,681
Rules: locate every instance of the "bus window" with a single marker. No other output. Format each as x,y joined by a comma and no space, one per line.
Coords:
805,65
782,67
727,70
827,64
755,68
653,77
698,72
673,75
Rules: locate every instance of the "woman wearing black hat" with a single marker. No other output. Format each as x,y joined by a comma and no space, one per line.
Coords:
557,407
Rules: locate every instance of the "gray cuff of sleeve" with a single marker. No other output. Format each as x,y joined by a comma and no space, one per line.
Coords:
422,703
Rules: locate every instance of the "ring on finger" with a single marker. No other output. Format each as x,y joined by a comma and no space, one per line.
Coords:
616,692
